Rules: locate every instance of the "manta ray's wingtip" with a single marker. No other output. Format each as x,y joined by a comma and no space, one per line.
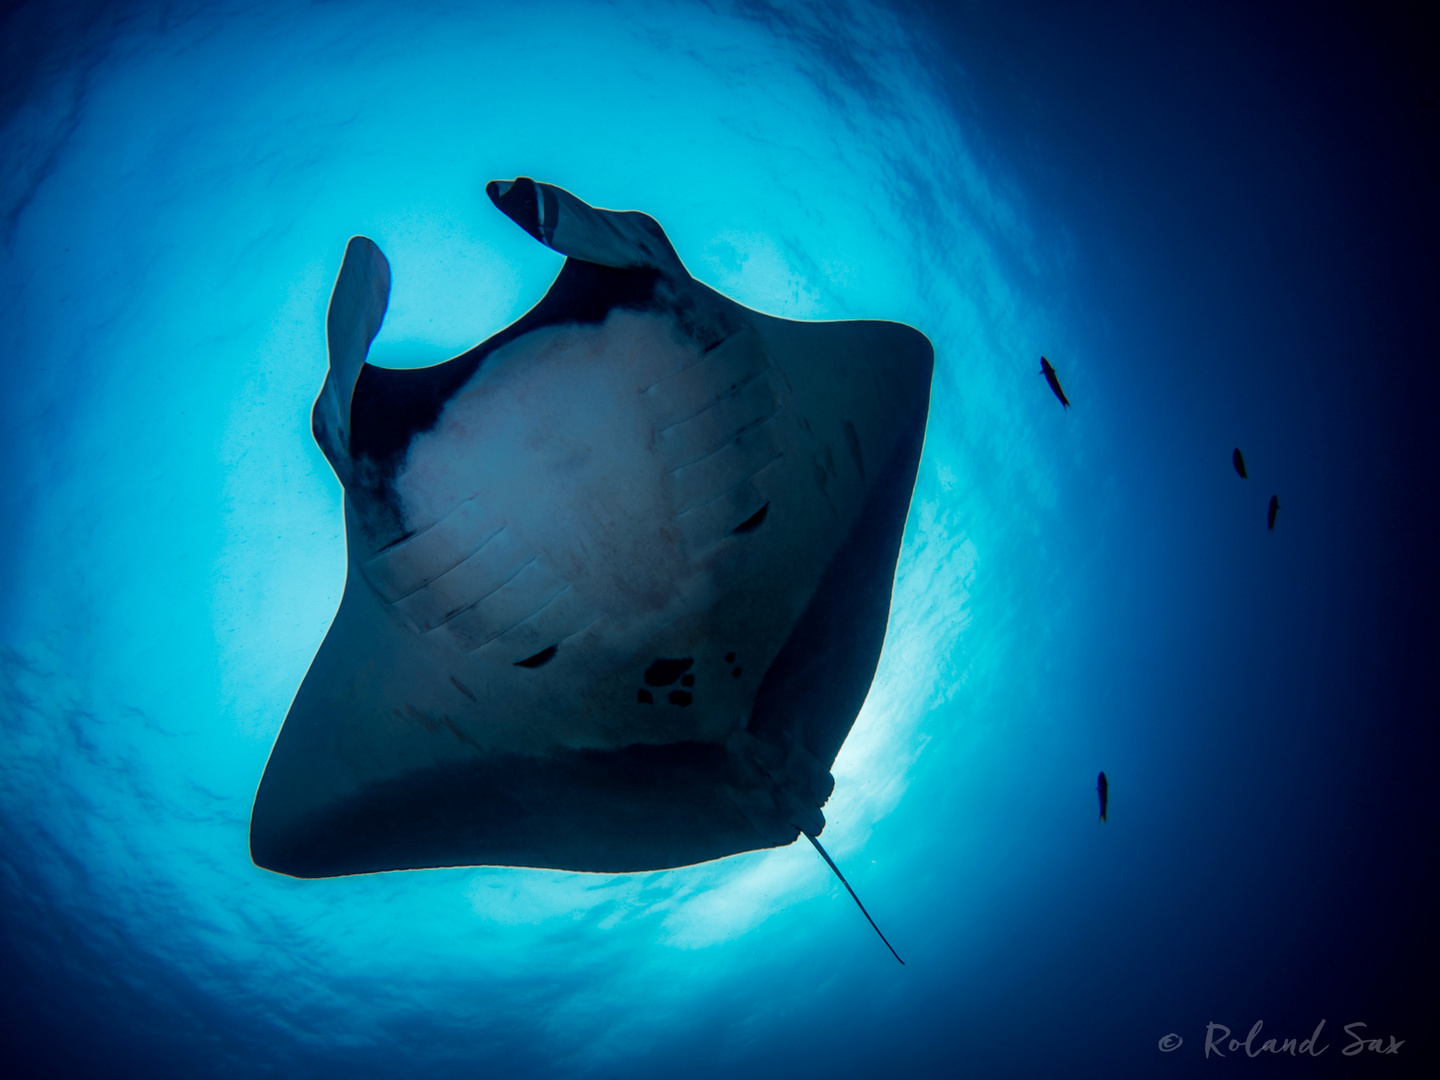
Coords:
265,841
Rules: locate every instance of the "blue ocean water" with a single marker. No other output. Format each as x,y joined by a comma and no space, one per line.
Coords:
1219,224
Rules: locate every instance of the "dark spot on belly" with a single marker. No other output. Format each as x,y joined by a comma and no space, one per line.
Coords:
735,674
540,659
664,672
680,697
687,680
729,658
644,697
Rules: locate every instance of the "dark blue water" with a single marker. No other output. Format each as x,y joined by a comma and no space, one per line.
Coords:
1220,224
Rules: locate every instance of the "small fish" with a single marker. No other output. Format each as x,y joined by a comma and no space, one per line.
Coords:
1274,509
1103,787
1054,381
1239,460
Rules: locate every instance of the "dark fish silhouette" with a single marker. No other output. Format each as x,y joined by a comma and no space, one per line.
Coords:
1103,787
618,578
1274,509
1239,460
1054,381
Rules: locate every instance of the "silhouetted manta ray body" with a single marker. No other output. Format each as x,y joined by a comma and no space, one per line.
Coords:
618,577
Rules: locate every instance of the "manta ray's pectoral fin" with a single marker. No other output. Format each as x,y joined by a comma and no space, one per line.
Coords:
623,239
357,308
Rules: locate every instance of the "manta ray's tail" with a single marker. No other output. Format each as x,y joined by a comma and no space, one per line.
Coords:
831,863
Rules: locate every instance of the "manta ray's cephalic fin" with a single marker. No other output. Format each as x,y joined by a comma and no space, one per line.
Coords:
623,240
357,308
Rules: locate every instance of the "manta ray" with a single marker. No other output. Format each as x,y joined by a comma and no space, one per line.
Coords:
618,577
